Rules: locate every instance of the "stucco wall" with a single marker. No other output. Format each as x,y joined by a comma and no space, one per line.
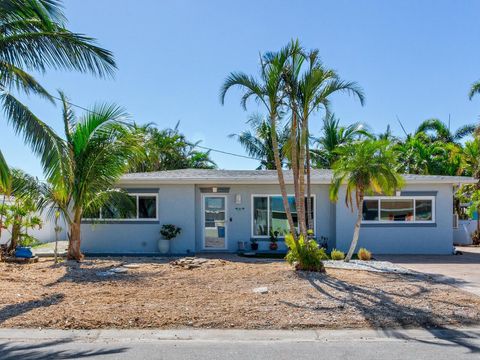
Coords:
239,216
400,239
175,206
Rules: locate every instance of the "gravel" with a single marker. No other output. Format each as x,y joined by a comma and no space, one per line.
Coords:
372,265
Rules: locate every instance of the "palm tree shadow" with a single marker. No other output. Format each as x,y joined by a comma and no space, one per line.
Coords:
45,350
13,310
394,314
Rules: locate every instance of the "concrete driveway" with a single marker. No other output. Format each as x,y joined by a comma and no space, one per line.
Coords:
462,271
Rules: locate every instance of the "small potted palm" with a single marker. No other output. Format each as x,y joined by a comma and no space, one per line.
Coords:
273,240
168,232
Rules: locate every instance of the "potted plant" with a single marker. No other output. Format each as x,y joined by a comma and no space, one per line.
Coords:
273,240
168,232
254,244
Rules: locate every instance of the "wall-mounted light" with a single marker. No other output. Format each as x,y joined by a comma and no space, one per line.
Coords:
214,189
238,198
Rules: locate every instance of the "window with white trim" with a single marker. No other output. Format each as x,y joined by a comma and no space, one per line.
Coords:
399,209
268,214
134,207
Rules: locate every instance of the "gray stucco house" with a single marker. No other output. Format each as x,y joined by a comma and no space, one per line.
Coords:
217,209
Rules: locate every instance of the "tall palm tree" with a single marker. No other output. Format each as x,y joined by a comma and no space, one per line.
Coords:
364,167
441,131
268,90
334,135
258,142
474,89
98,148
33,37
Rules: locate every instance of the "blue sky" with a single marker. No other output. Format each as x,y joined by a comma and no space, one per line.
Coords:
414,59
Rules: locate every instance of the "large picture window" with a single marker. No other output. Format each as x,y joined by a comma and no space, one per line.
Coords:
269,214
399,209
135,207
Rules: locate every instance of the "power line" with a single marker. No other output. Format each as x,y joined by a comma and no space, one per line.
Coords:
195,145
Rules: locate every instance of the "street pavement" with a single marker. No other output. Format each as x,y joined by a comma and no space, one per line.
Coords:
26,344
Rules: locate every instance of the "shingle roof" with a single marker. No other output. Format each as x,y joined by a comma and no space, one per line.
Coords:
208,176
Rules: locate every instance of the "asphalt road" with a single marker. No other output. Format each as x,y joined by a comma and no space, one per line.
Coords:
237,344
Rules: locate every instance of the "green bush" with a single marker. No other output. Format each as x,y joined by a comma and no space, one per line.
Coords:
364,254
169,231
307,256
337,255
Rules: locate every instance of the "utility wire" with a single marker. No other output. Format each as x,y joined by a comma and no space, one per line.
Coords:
194,145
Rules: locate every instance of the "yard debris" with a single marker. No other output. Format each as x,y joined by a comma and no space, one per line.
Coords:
261,290
131,266
118,270
194,262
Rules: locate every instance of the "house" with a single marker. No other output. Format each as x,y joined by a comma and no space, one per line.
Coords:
220,210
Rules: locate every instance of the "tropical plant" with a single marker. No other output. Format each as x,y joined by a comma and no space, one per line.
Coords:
168,149
170,231
33,37
333,136
337,255
363,168
258,142
268,91
440,131
98,148
305,254
364,254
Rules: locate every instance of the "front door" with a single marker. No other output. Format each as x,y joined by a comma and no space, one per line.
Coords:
214,222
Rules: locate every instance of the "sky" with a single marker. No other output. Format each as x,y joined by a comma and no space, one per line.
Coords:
414,59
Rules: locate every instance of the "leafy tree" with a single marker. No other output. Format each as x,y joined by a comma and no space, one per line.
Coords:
333,136
268,91
169,149
364,168
258,142
441,131
98,148
33,37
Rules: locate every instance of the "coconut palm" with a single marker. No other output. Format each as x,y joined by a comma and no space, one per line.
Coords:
33,37
258,142
474,89
363,168
441,131
333,136
268,91
98,148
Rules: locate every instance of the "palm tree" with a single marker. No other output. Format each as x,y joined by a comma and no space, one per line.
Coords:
268,90
364,167
98,148
442,132
474,89
33,37
168,149
333,136
258,142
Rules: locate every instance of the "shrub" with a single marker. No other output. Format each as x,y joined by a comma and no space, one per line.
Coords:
337,255
364,254
169,231
476,237
307,256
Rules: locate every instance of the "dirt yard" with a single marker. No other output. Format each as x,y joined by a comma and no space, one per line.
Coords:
219,294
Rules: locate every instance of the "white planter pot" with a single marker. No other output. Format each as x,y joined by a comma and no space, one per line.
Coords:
163,246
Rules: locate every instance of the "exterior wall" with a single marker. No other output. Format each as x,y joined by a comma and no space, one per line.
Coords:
401,238
175,205
239,216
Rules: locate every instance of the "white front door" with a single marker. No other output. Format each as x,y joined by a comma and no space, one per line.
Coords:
214,222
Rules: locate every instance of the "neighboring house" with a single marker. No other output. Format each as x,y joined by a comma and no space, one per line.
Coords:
217,209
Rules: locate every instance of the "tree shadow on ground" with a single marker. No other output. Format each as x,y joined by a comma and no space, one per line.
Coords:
45,350
382,310
13,310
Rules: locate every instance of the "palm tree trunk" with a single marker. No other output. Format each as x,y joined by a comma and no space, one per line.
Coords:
74,252
295,170
281,179
55,252
309,185
16,228
356,231
301,180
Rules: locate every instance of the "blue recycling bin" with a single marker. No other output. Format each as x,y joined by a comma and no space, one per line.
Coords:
23,252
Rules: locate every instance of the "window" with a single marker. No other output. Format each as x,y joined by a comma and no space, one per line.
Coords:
135,207
398,209
269,214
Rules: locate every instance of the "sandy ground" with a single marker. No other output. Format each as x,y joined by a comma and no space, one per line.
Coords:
219,295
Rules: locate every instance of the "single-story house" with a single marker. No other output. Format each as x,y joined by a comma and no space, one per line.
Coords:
222,210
